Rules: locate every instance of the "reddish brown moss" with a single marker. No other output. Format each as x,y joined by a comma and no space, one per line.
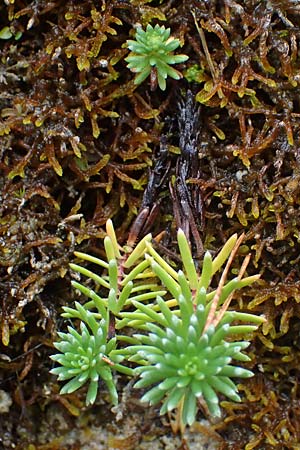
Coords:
78,139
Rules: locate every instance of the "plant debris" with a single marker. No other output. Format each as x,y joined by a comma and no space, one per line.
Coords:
78,145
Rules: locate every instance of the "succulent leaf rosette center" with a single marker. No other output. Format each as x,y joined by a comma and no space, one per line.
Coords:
155,43
190,369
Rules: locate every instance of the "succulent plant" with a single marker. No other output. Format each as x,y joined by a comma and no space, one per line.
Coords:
90,354
152,52
185,363
191,343
87,356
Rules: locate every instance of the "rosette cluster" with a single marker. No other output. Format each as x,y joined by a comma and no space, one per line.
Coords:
153,50
87,356
185,363
184,343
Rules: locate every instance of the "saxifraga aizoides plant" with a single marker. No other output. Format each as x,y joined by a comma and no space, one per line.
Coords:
190,345
152,53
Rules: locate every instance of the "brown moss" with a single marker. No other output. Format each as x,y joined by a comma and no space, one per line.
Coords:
79,142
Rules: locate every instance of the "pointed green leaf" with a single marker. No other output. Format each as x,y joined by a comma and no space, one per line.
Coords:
138,252
187,259
206,273
112,235
224,253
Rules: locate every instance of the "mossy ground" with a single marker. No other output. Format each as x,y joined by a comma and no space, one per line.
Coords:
78,144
